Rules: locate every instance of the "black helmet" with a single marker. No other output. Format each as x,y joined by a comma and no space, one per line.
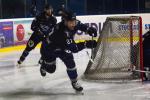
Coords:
47,6
69,16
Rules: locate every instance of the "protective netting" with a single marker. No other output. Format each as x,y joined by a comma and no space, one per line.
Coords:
118,50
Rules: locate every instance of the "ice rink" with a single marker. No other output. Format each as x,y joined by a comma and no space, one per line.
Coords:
25,83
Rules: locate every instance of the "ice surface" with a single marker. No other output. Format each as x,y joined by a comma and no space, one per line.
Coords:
25,83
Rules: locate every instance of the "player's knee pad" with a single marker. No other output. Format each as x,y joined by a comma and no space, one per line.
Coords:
69,61
72,73
50,67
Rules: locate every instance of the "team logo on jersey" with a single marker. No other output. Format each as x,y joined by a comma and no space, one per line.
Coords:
31,43
44,27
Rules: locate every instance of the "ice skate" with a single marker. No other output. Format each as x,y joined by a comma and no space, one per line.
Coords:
77,87
40,62
19,62
43,72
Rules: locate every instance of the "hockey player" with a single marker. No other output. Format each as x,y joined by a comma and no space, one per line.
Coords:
41,26
61,44
146,54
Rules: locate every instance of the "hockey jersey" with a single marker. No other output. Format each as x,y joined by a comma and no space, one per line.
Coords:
42,24
62,37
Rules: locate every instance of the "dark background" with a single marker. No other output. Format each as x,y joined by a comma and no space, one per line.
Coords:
24,8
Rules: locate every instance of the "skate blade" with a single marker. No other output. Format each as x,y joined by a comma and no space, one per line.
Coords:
29,65
79,92
18,65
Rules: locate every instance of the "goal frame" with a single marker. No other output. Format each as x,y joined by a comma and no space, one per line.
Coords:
130,18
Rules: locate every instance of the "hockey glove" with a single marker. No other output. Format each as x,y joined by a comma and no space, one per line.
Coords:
90,44
73,47
92,31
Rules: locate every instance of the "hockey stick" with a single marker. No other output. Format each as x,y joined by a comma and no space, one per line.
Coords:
26,65
141,71
92,50
89,57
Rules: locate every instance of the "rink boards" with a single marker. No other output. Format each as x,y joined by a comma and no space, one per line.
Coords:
14,32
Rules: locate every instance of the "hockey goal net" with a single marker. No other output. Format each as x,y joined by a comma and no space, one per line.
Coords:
119,50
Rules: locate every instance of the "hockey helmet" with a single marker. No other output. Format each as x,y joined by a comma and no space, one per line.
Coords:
48,6
69,16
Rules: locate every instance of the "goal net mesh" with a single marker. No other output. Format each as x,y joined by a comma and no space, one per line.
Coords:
118,52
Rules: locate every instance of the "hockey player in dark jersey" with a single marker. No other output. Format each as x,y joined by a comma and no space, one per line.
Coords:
61,45
146,54
41,26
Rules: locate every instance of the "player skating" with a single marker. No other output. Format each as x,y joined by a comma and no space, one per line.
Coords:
42,26
61,45
146,56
